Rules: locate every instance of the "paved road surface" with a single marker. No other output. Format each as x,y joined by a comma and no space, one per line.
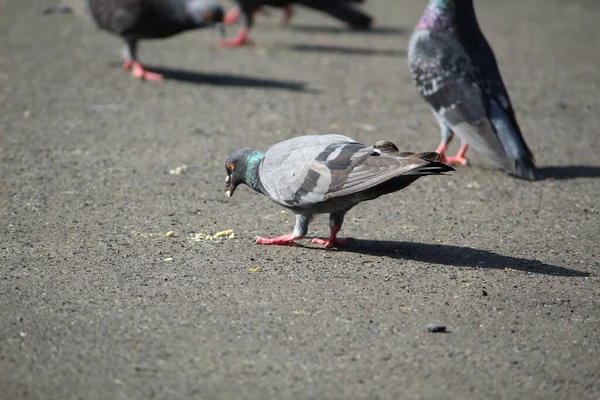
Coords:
89,309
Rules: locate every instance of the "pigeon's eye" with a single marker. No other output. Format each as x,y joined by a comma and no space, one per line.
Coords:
230,166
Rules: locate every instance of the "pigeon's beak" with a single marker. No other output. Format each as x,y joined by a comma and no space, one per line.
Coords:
229,186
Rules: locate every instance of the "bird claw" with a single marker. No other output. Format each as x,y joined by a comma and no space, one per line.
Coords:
138,71
454,160
275,241
239,40
236,43
232,16
327,243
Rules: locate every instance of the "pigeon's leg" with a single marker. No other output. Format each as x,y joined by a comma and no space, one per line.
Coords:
232,16
300,230
131,63
459,158
241,38
336,219
447,136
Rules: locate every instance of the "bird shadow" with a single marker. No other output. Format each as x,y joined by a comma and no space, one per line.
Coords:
376,30
345,50
458,256
571,172
222,79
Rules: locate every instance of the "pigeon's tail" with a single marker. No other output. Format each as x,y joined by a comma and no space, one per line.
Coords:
433,168
519,159
407,178
58,9
525,169
341,10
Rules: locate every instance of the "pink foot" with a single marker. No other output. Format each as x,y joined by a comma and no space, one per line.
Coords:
454,160
240,40
458,159
327,243
441,150
460,156
285,240
138,71
127,65
232,16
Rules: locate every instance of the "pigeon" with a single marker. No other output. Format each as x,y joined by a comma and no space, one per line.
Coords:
340,9
455,70
320,174
133,20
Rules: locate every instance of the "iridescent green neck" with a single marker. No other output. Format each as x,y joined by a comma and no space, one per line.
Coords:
252,163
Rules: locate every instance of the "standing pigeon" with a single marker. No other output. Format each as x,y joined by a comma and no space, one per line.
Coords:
340,9
133,20
455,70
320,174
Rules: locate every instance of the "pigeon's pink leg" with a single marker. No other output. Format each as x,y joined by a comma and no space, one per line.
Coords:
138,71
441,150
232,16
288,12
239,40
333,240
459,158
285,240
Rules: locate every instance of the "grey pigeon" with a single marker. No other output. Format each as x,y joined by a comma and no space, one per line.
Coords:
343,10
328,174
455,70
133,20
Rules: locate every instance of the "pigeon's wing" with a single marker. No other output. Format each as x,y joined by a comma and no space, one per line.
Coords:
287,174
370,167
118,16
446,78
307,171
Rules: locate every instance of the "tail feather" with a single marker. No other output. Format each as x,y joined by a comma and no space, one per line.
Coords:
429,156
433,168
519,160
525,169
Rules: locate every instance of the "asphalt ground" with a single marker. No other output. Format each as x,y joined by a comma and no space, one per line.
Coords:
90,309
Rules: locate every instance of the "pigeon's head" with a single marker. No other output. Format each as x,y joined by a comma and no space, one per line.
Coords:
242,167
205,12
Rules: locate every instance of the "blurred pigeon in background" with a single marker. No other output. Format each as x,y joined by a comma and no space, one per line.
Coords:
455,70
133,20
340,9
320,174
